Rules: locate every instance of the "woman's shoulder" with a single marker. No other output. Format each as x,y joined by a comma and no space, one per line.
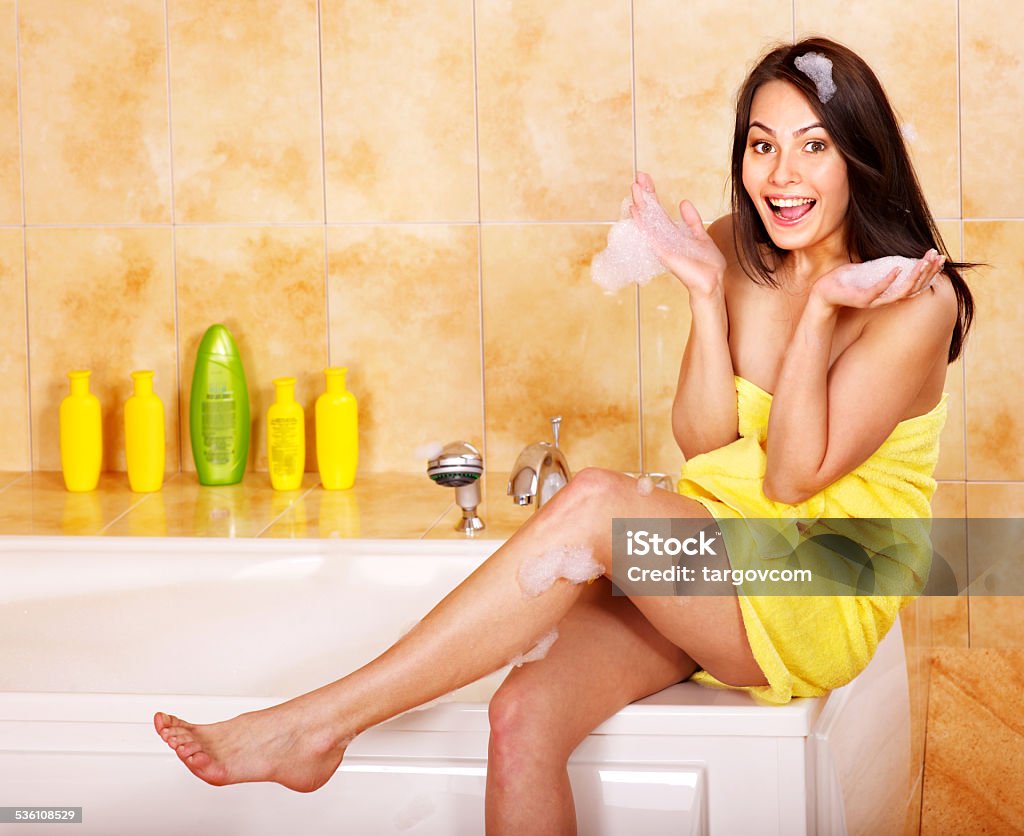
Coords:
721,233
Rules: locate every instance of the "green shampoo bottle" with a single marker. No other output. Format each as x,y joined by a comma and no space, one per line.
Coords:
219,411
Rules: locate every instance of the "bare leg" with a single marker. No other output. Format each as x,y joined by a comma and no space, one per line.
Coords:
476,629
607,656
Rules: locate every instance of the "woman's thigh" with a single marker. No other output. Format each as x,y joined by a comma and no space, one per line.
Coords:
607,655
709,629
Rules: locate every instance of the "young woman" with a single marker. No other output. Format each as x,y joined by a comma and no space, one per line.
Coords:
821,182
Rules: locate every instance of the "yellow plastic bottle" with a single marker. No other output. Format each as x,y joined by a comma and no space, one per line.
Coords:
286,438
337,433
144,435
81,435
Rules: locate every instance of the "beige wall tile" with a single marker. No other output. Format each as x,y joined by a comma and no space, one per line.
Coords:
691,59
399,123
405,319
975,756
555,344
948,615
664,326
994,359
10,139
14,418
266,284
919,75
994,543
556,128
991,90
247,147
99,299
94,109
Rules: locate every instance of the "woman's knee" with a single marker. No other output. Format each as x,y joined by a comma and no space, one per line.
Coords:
591,482
522,727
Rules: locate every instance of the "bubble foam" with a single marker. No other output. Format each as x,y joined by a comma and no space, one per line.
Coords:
574,563
538,651
867,273
630,255
818,69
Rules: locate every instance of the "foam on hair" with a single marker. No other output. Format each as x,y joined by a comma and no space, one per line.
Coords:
629,257
574,563
538,651
818,69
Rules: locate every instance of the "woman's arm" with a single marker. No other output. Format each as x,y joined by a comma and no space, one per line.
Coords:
825,422
704,415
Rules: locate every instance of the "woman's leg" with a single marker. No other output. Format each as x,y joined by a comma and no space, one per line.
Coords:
476,629
607,655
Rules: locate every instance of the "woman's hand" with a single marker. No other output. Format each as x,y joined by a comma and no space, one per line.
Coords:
832,290
687,251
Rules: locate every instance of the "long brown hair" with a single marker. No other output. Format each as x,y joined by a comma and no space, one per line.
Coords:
887,213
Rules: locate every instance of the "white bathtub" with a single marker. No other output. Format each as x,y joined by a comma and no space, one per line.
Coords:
98,633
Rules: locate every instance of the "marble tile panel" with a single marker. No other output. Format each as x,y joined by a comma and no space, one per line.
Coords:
266,284
399,123
95,111
914,621
664,328
948,614
100,299
919,75
555,109
556,344
248,147
405,319
994,359
991,89
15,453
10,127
184,508
975,758
912,822
378,505
9,477
40,505
995,553
686,85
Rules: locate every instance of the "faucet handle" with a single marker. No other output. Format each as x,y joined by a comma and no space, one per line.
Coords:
556,422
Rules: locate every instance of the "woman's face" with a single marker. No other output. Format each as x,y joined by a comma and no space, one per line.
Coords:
792,170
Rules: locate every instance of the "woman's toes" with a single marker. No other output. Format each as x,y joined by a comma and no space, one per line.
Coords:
186,750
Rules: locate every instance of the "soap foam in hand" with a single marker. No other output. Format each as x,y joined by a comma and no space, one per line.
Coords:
630,255
868,273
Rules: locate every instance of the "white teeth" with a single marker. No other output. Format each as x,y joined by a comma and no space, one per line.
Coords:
789,201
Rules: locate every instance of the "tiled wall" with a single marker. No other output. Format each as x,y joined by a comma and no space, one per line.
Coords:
415,190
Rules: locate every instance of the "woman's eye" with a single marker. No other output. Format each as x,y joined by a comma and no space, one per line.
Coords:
815,146
761,147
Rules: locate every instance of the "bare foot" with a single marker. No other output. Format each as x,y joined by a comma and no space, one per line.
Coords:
289,744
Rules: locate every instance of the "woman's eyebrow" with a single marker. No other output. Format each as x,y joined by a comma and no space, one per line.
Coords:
797,132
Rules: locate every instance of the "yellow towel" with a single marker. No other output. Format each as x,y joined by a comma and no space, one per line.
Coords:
808,645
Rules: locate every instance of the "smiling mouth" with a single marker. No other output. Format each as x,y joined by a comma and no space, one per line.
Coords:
790,210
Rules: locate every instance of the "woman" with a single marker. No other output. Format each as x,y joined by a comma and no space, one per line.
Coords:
821,181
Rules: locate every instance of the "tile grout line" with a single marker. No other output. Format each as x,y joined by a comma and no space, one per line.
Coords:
323,173
174,239
641,439
24,233
287,509
437,521
479,242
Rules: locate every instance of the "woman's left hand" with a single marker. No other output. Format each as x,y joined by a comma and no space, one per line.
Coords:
833,291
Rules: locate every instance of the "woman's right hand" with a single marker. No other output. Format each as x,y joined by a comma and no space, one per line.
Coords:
687,251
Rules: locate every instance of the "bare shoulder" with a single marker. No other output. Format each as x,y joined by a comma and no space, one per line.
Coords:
934,308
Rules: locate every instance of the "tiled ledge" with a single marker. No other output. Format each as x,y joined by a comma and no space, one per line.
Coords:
379,505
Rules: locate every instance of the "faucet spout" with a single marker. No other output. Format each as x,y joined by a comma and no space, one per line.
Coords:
540,471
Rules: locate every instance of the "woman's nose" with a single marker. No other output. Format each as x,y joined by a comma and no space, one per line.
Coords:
784,171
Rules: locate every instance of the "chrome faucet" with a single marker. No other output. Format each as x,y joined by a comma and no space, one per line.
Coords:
540,471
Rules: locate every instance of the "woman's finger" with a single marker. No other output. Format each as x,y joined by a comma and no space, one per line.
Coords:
691,217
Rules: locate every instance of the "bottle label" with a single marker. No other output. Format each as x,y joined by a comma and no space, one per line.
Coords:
284,443
218,426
